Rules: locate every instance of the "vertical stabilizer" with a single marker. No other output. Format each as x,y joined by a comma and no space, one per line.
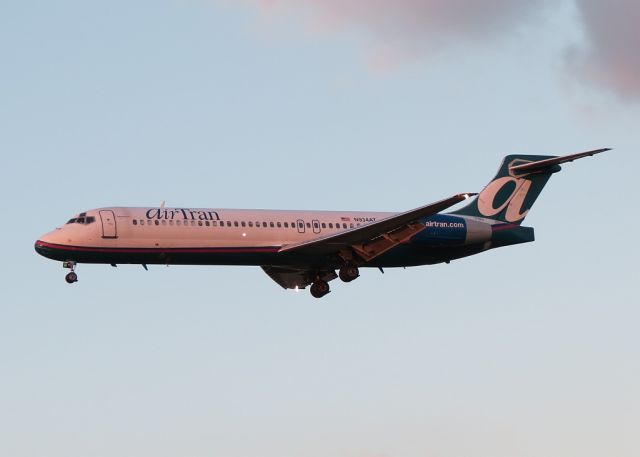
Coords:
516,186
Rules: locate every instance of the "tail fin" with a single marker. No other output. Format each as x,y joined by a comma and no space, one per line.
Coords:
514,190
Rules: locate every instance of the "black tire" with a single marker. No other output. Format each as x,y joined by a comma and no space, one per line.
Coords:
319,289
71,277
348,273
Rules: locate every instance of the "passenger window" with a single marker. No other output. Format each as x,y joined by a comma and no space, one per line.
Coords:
171,222
308,224
235,223
271,224
141,222
286,225
324,225
315,225
293,225
351,225
200,223
344,225
178,222
135,222
157,222
250,224
330,224
264,224
214,223
300,225
193,223
164,222
243,223
279,225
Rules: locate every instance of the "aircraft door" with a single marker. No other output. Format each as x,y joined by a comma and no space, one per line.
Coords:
108,219
316,226
300,224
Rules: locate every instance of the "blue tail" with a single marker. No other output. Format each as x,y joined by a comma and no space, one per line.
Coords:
509,197
514,190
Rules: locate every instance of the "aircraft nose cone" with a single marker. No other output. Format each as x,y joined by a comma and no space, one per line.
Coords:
45,245
42,248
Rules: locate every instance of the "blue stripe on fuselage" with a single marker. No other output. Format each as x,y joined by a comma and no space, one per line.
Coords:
442,229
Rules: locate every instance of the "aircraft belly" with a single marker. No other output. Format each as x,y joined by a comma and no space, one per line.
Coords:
259,255
410,255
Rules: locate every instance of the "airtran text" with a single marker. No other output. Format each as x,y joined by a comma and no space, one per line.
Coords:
182,213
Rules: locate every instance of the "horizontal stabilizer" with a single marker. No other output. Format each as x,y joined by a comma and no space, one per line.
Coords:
543,165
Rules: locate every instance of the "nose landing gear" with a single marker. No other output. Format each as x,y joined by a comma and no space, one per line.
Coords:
71,277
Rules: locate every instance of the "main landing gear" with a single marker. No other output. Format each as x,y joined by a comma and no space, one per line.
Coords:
348,273
320,288
71,277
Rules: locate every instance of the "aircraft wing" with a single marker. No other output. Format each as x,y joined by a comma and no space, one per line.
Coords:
373,239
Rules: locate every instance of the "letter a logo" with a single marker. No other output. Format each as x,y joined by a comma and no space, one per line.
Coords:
513,203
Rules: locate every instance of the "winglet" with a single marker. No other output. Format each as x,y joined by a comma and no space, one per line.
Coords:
542,165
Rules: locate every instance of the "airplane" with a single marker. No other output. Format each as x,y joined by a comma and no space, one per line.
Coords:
305,248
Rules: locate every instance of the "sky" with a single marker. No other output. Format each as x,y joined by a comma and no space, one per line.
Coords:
529,350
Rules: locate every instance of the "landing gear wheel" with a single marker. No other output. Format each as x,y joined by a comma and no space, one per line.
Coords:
348,273
71,277
320,288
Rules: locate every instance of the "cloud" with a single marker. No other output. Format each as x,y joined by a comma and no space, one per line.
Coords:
610,58
416,21
403,29
400,31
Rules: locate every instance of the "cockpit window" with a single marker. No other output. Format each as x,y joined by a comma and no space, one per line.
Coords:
85,220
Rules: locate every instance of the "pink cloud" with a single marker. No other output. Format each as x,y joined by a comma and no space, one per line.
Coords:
611,59
412,20
402,29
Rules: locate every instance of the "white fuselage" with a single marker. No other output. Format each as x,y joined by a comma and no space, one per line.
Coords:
124,227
